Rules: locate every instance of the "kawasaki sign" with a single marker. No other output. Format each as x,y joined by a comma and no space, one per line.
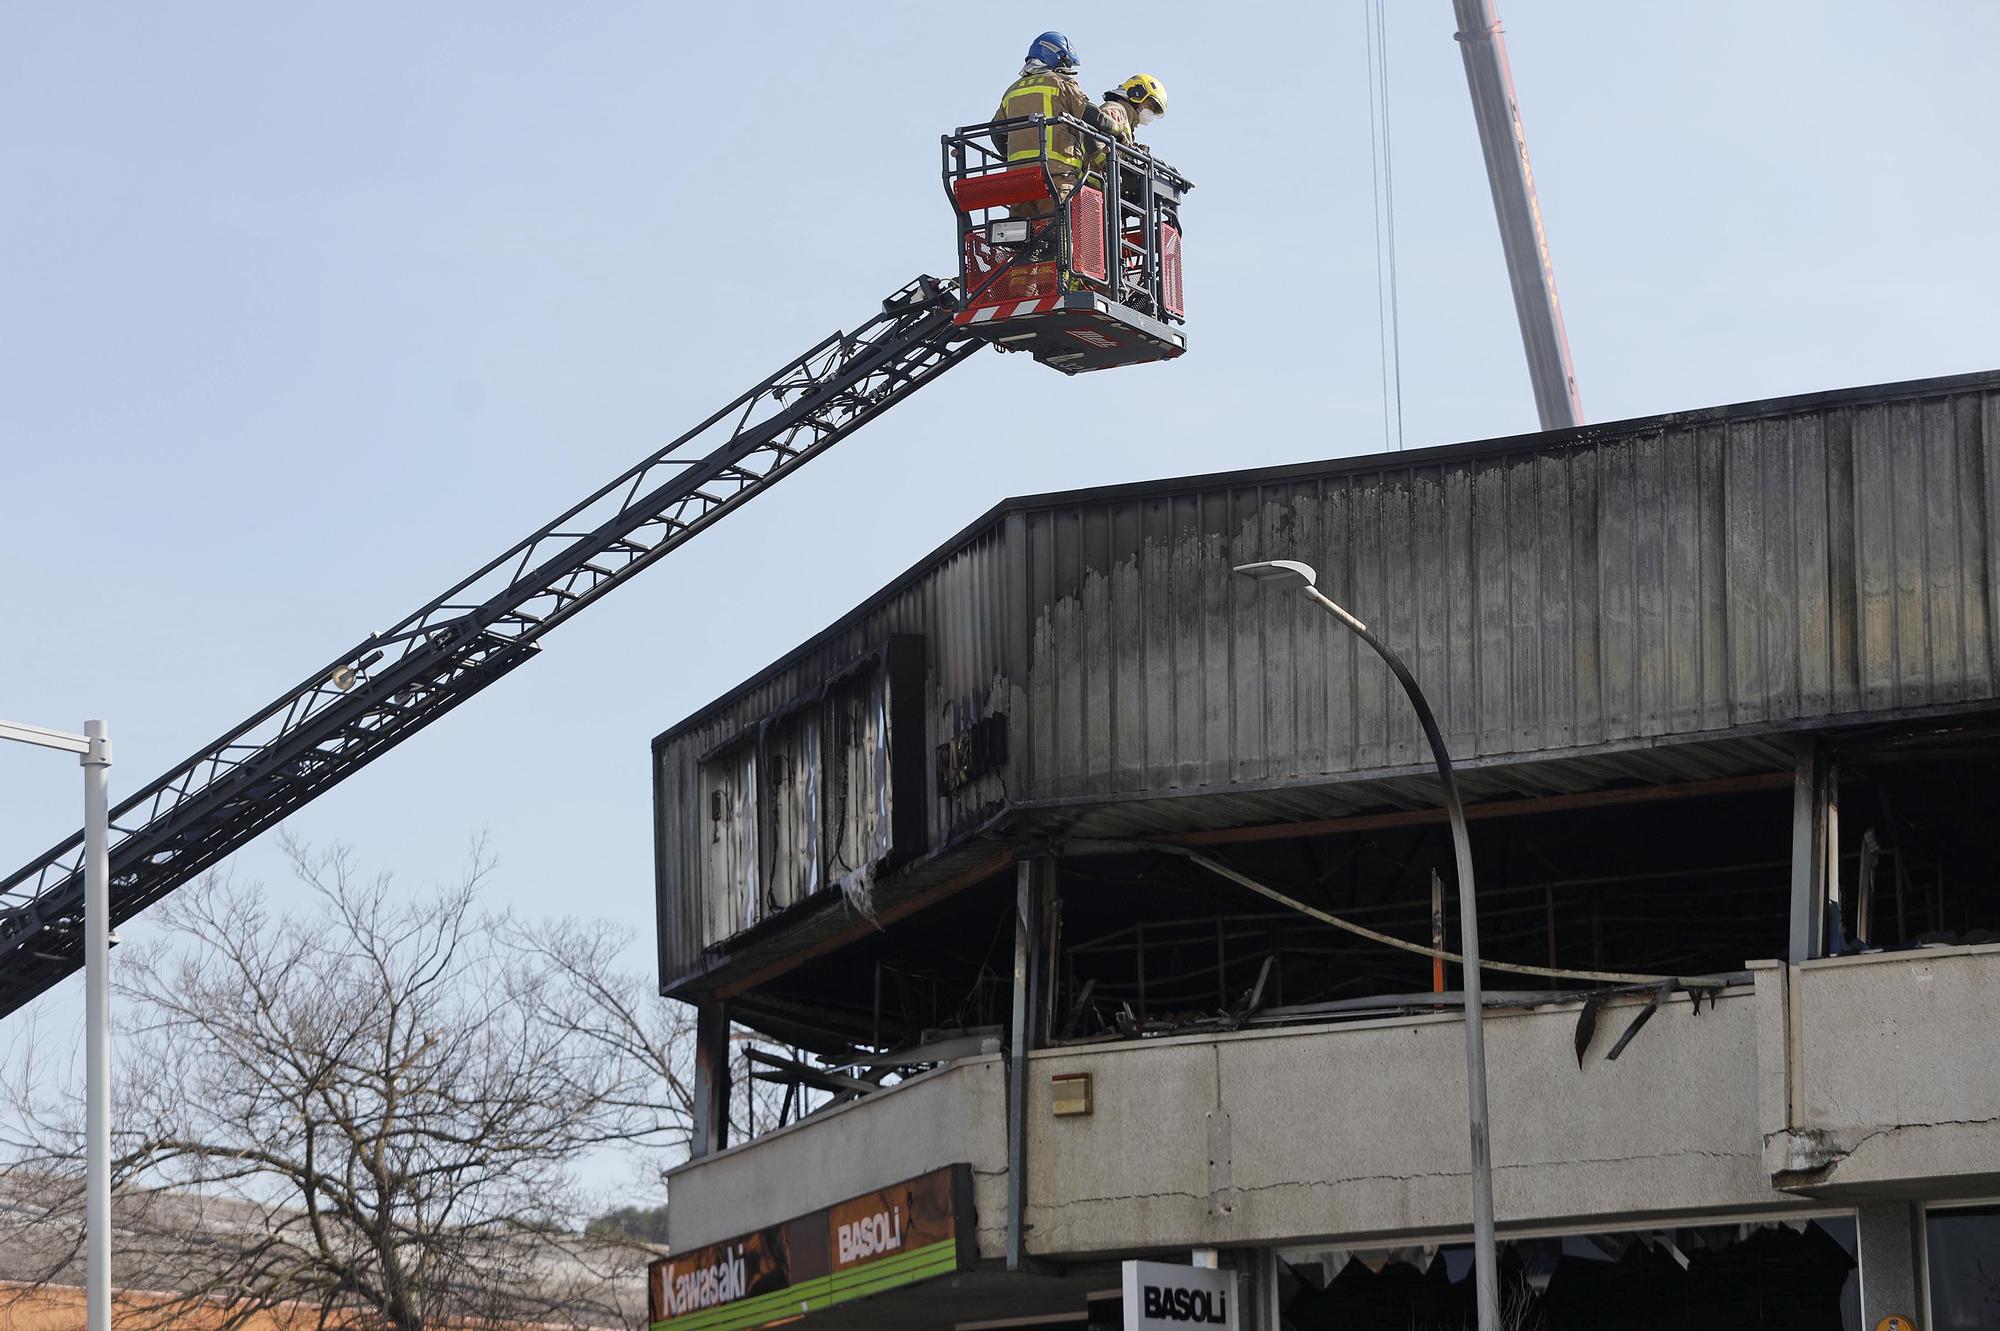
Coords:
1160,1297
896,1236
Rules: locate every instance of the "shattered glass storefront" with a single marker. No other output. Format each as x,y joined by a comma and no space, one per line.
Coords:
1768,1275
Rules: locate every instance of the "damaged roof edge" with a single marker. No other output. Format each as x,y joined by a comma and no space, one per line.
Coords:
1477,449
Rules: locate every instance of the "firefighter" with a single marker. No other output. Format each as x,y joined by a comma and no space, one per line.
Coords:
1139,100
1048,87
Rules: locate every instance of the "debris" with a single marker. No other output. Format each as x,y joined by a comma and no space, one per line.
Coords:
1660,996
1586,1024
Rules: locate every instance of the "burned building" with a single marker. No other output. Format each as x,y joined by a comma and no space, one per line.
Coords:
1115,887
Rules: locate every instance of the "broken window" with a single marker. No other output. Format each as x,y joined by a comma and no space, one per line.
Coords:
1157,941
1918,859
1762,1275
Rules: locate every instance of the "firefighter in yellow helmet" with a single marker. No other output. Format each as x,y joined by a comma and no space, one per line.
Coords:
1047,86
1139,100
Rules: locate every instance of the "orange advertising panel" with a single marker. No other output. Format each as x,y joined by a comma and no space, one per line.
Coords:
912,1215
914,1230
737,1271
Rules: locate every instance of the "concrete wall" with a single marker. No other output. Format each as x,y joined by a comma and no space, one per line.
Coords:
1359,1130
1850,1080
954,1114
1891,1086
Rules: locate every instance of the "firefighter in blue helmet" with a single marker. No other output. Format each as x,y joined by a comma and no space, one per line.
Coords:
1047,86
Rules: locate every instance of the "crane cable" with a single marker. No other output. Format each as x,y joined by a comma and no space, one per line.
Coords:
1382,184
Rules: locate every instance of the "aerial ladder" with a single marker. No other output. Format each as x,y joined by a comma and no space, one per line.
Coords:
1083,281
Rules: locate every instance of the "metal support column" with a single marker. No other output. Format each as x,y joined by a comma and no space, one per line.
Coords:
1529,268
1809,876
1835,927
1256,1288
1029,876
711,1079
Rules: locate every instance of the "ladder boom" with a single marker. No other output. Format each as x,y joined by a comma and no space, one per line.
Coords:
393,683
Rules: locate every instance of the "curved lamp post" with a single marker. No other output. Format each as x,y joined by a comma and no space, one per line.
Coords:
1292,573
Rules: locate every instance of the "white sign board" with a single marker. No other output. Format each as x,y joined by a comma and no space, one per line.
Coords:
1163,1297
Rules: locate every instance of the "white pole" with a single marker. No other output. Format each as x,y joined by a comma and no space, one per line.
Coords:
97,1024
1522,241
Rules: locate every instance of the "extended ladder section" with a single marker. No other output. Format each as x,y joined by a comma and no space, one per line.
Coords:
393,683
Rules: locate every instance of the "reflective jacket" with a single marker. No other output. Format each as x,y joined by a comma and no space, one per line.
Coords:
1050,93
1120,121
1118,114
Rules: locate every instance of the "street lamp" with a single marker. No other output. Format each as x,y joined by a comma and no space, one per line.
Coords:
93,750
1292,573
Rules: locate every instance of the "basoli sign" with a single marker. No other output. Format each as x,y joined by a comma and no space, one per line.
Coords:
1164,1297
920,1228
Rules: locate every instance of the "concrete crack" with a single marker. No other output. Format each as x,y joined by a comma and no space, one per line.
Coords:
1815,1153
1346,1180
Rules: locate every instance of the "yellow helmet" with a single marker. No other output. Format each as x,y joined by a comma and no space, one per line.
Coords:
1146,93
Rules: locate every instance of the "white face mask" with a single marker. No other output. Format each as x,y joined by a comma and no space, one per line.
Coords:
1147,115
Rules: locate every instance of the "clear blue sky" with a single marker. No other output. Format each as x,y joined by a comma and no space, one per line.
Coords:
306,311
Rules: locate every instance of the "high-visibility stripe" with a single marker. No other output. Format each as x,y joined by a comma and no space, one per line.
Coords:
1048,92
1035,155
1006,310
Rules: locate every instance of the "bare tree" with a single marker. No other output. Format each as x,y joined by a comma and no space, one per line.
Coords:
374,1108
620,1015
614,1020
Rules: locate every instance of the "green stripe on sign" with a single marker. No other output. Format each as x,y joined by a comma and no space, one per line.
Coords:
896,1282
901,1262
908,1257
804,1297
747,1312
904,1268
907,1268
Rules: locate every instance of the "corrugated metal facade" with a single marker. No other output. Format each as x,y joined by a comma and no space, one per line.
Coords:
1767,565
956,606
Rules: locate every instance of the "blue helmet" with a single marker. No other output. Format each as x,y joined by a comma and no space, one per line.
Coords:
1053,49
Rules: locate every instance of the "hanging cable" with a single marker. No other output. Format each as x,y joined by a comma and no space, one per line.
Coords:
1289,902
1382,184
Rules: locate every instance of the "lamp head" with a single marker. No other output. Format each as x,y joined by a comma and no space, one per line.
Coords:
1285,572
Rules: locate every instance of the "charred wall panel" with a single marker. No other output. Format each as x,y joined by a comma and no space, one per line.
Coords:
952,623
859,798
1681,575
795,783
731,868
